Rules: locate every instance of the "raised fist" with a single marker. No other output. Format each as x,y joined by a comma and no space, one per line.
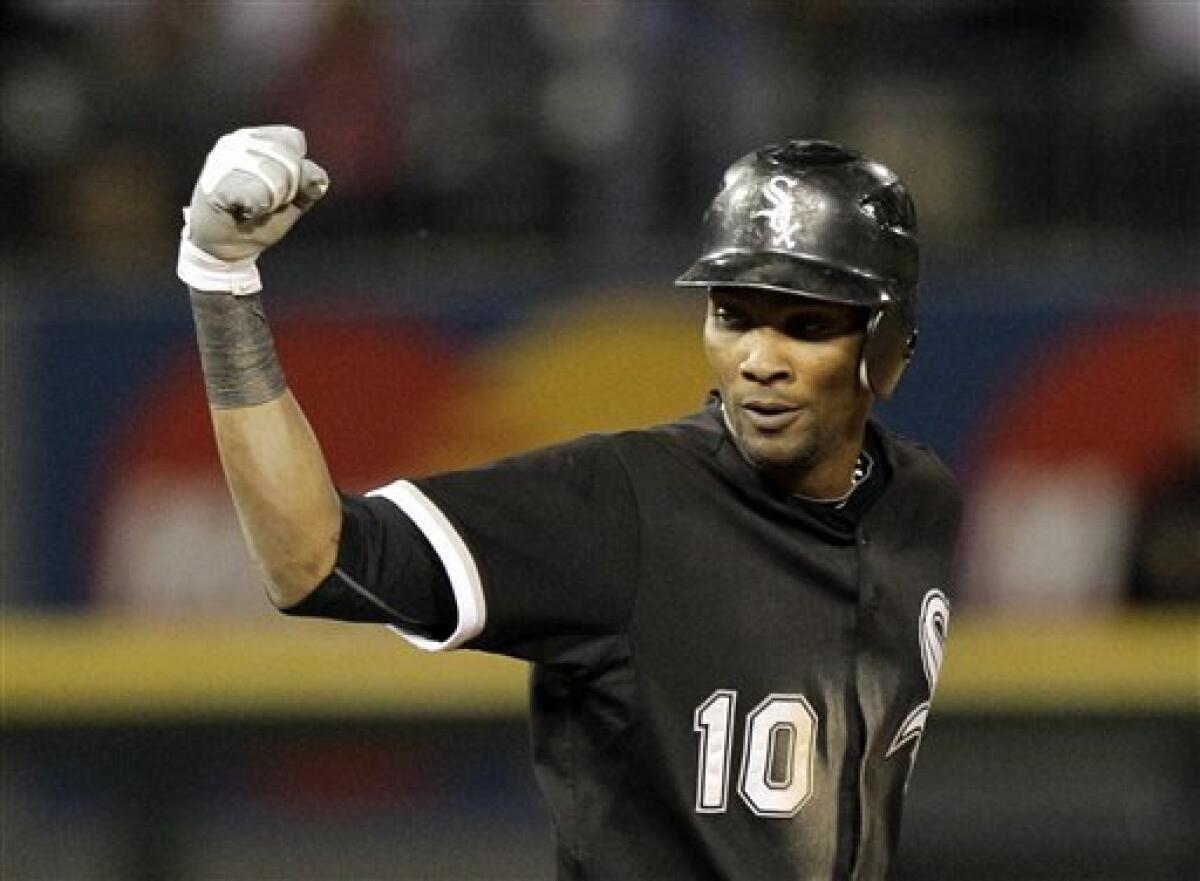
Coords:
254,186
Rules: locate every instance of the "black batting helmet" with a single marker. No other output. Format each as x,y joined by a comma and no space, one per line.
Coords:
815,219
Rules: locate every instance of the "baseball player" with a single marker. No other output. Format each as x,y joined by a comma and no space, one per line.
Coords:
735,620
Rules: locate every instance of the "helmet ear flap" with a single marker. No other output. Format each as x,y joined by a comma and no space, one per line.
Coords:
890,341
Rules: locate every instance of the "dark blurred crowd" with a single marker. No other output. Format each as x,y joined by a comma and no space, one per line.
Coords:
602,122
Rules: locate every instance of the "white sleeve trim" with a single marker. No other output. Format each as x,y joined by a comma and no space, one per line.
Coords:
456,559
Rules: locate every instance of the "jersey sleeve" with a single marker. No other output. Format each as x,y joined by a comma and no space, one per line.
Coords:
386,572
540,550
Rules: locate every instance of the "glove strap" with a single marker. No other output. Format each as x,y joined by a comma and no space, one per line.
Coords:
202,271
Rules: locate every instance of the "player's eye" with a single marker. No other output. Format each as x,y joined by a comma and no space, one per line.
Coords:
811,328
819,326
729,317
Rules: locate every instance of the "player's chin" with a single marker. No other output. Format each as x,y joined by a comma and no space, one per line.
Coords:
776,452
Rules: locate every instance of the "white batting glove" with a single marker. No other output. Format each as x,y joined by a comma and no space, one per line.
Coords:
254,186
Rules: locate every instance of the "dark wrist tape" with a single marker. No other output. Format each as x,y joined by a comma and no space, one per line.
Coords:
237,351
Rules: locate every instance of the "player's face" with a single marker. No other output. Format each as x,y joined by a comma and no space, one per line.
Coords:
787,369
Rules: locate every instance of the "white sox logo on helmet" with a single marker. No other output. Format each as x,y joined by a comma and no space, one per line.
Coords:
787,213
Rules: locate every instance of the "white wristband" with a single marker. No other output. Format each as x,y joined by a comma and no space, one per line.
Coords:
204,272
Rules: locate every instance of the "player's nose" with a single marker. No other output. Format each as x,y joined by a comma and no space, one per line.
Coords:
763,358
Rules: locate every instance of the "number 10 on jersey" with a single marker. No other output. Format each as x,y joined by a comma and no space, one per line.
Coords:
776,775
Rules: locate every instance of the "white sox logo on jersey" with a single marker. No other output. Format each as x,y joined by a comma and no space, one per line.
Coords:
933,627
786,212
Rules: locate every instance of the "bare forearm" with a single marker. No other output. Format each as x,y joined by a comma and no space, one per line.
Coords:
289,511
286,502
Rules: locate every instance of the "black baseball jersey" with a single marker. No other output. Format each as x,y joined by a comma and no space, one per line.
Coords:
729,681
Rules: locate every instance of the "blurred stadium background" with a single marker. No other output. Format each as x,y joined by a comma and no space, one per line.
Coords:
515,186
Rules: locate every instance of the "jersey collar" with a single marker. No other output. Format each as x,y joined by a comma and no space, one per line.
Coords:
763,494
